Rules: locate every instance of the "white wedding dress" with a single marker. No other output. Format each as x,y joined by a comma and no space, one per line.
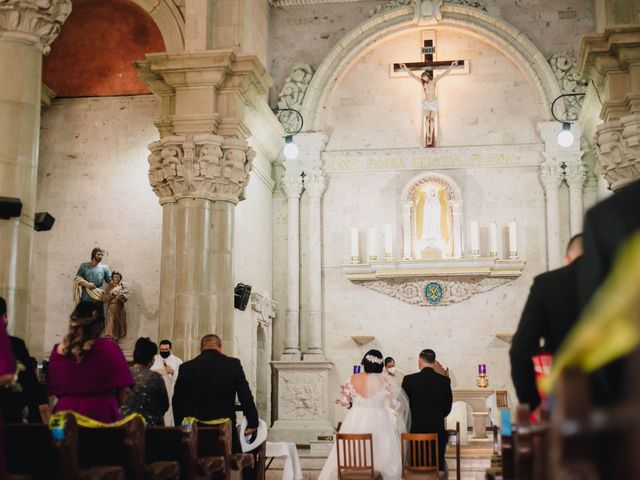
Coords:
383,411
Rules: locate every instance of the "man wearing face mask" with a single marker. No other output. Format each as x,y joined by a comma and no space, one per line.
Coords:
166,364
392,371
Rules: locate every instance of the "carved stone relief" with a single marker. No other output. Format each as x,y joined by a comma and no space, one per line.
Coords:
479,4
203,166
453,291
301,396
564,68
618,150
292,95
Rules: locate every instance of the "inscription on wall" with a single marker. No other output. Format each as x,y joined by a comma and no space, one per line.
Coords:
441,158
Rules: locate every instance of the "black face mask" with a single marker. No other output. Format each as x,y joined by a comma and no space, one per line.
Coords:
165,354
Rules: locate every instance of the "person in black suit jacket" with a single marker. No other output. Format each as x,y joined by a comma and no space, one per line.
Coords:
430,399
606,228
550,312
33,395
206,388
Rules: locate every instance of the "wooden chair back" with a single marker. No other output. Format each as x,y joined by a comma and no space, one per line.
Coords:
419,454
173,444
502,400
355,455
216,440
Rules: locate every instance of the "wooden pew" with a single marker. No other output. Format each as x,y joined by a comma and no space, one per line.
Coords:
124,446
180,444
530,446
215,440
32,452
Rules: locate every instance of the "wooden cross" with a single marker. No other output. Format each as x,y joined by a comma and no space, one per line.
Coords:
428,51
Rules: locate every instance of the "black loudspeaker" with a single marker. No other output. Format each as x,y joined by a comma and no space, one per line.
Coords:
10,207
241,296
43,221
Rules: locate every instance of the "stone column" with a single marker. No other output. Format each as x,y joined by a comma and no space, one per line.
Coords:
406,230
315,186
575,176
292,187
199,169
611,61
551,177
27,29
457,229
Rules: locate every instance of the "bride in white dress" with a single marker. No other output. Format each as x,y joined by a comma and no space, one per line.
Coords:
377,406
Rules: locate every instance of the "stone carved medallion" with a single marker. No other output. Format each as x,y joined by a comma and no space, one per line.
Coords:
301,396
564,68
292,96
453,291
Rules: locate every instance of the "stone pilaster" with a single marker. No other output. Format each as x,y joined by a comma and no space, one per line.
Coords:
315,185
292,187
199,169
551,177
27,29
575,176
612,61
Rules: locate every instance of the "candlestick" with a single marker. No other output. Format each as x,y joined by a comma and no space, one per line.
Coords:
493,240
388,241
513,241
372,244
355,245
474,234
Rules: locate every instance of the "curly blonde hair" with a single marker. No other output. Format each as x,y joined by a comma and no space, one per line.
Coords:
86,323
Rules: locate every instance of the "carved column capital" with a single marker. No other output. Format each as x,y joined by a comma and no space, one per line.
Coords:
262,304
551,175
292,184
199,166
35,22
575,173
315,183
618,150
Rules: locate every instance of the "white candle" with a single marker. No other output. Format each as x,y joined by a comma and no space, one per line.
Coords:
355,243
493,239
372,244
474,234
513,239
388,239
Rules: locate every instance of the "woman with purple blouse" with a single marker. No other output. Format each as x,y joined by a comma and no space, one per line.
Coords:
89,375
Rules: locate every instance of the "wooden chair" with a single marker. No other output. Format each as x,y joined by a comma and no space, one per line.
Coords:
502,400
458,436
215,441
355,457
123,446
420,456
531,447
57,459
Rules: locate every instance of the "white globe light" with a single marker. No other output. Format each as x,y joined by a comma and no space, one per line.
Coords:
291,150
565,138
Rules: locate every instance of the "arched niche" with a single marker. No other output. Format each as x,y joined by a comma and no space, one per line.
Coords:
431,217
471,21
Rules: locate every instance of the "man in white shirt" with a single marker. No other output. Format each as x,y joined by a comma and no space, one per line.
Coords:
167,365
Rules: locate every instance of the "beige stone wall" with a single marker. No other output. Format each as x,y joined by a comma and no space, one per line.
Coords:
307,33
92,177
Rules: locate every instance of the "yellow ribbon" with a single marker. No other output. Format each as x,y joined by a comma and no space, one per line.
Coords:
609,329
58,420
192,420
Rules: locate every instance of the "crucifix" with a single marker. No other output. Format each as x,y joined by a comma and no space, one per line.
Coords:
432,72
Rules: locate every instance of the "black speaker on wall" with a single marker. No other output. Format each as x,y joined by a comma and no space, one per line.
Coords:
43,221
241,296
10,207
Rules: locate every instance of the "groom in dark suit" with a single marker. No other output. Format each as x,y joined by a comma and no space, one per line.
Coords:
430,399
206,388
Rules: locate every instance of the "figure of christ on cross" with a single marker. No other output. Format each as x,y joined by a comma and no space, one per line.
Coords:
429,97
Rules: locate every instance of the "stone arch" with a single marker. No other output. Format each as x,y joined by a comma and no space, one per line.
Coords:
497,32
452,195
169,20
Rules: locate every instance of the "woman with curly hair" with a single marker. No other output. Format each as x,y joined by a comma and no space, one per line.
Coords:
89,374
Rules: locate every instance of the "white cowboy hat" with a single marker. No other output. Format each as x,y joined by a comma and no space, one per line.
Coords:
261,435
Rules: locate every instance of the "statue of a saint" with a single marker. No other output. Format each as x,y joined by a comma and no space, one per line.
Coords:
90,277
429,100
115,295
431,221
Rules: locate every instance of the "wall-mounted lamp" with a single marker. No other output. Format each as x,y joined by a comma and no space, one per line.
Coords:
291,150
565,137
